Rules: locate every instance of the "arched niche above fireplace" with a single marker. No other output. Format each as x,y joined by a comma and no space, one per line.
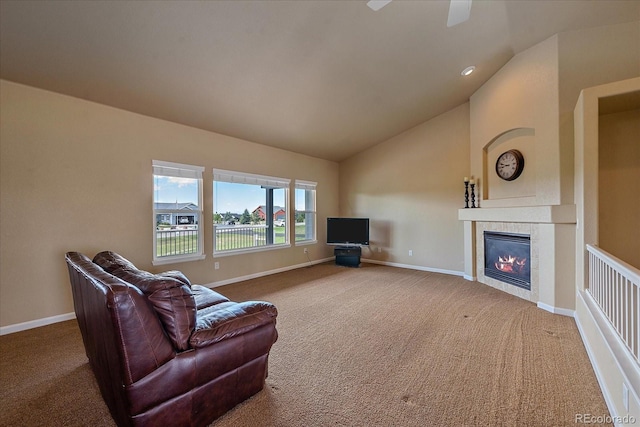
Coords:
519,192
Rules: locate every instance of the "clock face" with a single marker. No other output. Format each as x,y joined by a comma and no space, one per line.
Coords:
509,165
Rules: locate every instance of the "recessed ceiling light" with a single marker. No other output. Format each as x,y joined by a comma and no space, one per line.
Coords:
468,70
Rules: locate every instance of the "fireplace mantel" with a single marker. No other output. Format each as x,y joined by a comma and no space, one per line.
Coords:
551,214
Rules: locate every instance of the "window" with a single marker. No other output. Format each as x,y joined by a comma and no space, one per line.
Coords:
177,212
305,216
249,212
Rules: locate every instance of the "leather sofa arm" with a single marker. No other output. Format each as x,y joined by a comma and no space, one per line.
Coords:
230,319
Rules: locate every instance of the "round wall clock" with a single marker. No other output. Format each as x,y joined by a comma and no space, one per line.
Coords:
509,165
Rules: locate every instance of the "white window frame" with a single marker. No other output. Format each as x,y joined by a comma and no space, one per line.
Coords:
221,175
179,170
307,186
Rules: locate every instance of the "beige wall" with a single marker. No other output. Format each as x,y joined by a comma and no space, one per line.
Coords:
411,187
595,56
76,176
529,104
619,185
587,58
518,108
607,353
587,171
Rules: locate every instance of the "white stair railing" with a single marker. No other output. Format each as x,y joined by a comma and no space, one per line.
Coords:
615,287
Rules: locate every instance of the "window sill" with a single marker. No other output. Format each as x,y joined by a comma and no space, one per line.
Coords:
306,242
251,250
177,259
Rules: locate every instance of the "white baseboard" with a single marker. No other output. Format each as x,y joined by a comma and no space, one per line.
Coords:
63,317
4,330
320,261
470,278
413,267
556,310
264,273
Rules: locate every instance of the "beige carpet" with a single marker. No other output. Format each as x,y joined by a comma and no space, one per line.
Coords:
374,346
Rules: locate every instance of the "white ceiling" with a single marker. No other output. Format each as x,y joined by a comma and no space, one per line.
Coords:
323,78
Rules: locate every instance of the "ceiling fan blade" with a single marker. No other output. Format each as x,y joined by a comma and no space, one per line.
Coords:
459,11
377,4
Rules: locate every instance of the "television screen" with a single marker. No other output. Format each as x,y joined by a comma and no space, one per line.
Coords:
348,231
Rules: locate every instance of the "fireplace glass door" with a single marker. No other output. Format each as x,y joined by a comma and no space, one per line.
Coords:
507,257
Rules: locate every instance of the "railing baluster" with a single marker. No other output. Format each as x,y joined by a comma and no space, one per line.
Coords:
607,289
634,324
612,280
620,300
615,287
625,314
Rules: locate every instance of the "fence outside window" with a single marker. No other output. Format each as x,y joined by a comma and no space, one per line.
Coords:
232,237
172,242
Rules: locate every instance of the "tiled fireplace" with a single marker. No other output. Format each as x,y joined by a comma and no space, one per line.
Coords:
550,234
526,286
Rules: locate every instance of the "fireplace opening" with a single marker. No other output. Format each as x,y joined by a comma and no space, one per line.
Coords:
507,257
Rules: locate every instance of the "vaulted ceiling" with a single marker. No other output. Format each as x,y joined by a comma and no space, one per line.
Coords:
323,78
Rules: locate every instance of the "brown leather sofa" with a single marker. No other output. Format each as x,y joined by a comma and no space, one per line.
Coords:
164,351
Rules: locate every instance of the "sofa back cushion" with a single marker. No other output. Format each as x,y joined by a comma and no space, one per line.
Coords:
169,294
175,274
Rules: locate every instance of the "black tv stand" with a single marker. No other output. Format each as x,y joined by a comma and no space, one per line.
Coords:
348,256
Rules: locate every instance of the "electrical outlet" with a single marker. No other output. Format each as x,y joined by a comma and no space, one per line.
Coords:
410,252
379,249
216,265
306,250
625,397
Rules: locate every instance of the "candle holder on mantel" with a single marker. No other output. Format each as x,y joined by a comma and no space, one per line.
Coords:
466,193
473,194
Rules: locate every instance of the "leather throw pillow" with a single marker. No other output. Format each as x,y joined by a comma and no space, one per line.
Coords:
170,294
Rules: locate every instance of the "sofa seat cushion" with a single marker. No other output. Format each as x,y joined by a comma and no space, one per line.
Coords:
228,319
206,297
171,298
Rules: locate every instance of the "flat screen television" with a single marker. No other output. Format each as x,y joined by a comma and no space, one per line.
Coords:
348,231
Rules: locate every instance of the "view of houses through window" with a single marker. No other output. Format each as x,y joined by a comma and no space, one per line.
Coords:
177,201
250,211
